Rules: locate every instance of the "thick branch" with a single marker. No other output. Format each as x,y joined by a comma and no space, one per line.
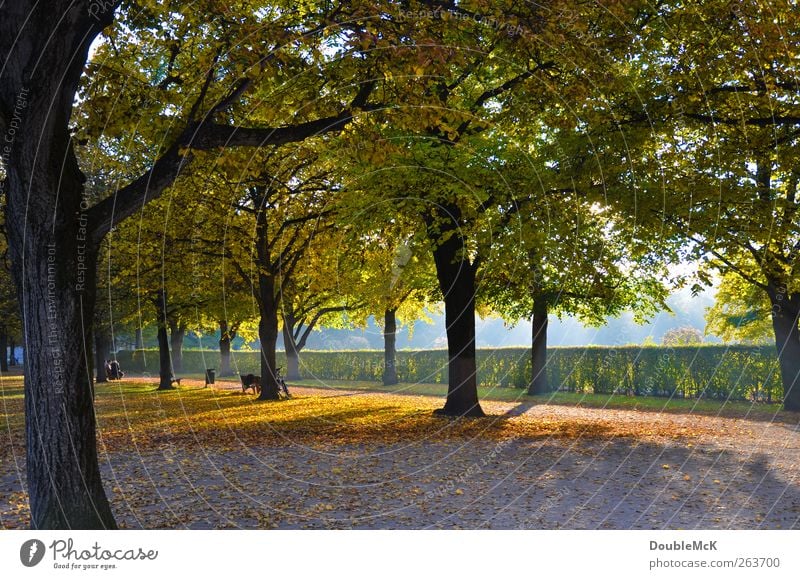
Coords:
201,136
302,342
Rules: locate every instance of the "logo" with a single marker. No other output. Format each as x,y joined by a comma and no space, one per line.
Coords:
31,553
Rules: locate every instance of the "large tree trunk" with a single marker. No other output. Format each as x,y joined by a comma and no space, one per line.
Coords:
176,334
292,351
102,345
538,383
59,392
43,48
268,335
785,314
3,348
389,347
164,361
268,310
225,339
456,277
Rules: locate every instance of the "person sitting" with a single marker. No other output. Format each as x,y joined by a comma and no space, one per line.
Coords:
108,369
115,373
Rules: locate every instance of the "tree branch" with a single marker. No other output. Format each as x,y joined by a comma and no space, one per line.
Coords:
202,136
324,311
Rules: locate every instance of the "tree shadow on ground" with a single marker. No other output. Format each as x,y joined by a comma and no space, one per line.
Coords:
522,484
759,412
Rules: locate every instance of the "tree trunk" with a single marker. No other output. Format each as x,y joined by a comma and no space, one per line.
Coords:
268,310
3,349
164,361
138,340
225,339
12,351
785,314
456,276
58,391
176,335
389,347
268,335
101,348
290,345
538,383
53,256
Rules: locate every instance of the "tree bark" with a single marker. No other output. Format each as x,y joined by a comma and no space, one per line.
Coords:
785,315
268,310
268,335
456,276
538,384
3,349
290,345
226,336
389,347
176,334
101,348
53,257
164,361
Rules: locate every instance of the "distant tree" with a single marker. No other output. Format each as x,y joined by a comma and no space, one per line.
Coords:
557,249
684,336
741,311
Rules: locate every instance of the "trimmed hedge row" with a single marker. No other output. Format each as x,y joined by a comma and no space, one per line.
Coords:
710,371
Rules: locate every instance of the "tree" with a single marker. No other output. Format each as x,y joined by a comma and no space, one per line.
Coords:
151,278
397,280
741,310
725,146
558,251
210,293
684,336
406,290
481,85
229,329
326,289
51,251
281,205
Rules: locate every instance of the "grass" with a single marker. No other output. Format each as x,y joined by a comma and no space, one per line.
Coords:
133,414
583,400
734,408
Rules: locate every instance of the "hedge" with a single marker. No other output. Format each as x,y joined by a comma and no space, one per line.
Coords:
708,371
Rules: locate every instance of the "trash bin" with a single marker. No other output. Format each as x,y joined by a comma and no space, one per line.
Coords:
209,376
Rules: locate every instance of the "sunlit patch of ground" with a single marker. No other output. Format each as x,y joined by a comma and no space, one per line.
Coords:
217,458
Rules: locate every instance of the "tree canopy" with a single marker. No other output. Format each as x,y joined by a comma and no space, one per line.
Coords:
269,165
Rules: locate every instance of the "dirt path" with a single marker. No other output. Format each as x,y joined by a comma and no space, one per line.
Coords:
731,473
